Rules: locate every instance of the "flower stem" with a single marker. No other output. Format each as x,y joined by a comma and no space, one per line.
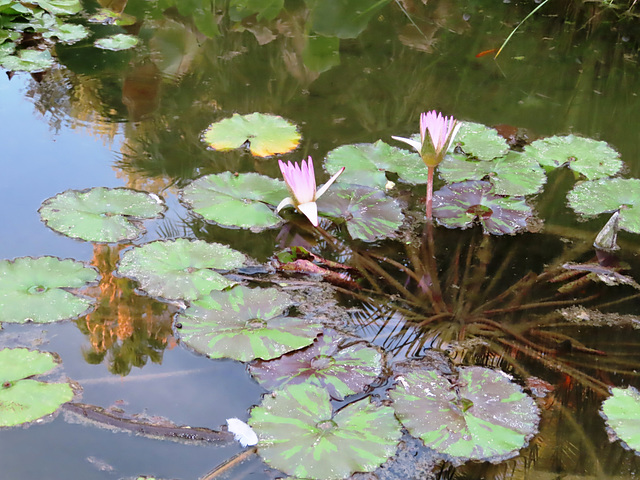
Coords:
429,200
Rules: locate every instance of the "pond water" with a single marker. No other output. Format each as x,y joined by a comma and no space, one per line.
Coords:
135,118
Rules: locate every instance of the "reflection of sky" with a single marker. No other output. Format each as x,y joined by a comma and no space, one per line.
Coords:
38,163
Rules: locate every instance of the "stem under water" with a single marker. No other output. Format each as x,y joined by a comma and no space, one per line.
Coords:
429,200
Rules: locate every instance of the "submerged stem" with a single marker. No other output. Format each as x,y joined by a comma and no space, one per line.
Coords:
429,200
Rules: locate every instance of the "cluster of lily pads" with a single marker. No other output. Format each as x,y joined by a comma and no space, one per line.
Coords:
470,413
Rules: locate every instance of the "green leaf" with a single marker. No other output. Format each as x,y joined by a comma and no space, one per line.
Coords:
621,412
266,134
181,268
592,158
24,400
265,9
321,53
333,362
480,141
513,174
236,200
368,213
59,7
33,289
481,415
460,205
67,33
27,61
245,324
117,42
609,195
99,214
342,19
301,435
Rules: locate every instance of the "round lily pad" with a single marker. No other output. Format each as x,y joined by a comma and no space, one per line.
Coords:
481,415
245,324
67,33
60,7
332,362
117,42
33,289
621,412
480,141
181,268
460,205
368,213
592,158
236,200
23,399
27,61
609,195
105,215
267,134
301,435
513,174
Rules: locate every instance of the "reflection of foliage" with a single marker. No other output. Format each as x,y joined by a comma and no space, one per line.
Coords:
127,328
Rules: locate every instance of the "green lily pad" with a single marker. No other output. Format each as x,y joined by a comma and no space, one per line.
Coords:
368,213
180,269
67,33
33,289
301,435
27,61
105,215
265,10
22,399
481,415
117,42
59,7
621,412
480,141
267,134
609,195
338,18
337,364
236,200
513,174
592,158
460,205
245,324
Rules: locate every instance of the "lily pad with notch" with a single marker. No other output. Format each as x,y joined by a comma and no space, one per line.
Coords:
240,200
481,142
118,42
591,158
23,399
244,324
36,289
609,195
301,435
266,134
480,415
59,7
180,269
368,213
340,365
460,205
31,61
621,412
103,215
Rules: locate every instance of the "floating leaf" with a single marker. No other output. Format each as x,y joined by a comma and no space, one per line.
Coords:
181,268
24,400
332,362
32,289
621,412
265,10
301,435
67,33
59,7
368,213
266,134
592,158
236,200
117,42
27,61
105,215
460,205
513,174
480,416
245,324
480,141
338,18
609,195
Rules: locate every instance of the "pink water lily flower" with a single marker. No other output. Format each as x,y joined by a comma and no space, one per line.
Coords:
301,182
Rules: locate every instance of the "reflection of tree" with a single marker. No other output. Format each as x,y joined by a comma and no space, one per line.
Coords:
126,328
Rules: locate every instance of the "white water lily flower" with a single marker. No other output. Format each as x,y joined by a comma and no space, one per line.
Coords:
242,432
301,182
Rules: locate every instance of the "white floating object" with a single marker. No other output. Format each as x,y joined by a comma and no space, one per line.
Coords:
242,432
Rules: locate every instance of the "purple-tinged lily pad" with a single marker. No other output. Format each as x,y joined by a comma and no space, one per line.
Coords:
481,415
180,269
368,213
460,205
621,412
245,324
333,362
481,142
301,435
